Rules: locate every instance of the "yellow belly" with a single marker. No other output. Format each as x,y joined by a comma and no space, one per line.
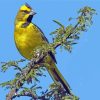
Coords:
26,39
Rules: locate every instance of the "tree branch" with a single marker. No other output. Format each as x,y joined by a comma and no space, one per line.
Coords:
64,36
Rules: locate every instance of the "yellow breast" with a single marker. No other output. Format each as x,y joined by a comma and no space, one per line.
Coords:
26,39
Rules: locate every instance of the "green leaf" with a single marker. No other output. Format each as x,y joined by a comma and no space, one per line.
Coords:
57,22
68,47
81,20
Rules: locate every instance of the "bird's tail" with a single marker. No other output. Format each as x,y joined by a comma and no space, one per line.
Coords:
57,77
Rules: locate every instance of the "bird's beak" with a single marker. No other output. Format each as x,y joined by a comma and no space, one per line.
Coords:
32,13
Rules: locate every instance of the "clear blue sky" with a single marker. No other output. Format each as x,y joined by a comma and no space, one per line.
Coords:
81,68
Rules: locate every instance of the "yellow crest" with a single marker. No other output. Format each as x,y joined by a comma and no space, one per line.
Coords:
26,7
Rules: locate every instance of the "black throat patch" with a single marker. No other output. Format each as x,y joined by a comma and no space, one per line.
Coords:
30,18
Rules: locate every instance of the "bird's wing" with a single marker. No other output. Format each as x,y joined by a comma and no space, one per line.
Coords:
44,38
42,34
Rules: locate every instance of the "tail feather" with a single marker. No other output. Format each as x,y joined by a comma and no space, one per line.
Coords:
57,76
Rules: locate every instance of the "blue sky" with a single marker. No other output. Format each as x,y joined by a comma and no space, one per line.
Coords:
81,68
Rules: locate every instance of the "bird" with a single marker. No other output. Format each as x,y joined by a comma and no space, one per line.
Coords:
28,36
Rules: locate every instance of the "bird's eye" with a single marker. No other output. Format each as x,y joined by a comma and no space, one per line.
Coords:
25,11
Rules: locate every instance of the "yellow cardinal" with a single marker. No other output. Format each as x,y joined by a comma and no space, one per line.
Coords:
28,36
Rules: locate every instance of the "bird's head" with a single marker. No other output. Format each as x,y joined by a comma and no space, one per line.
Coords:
25,13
